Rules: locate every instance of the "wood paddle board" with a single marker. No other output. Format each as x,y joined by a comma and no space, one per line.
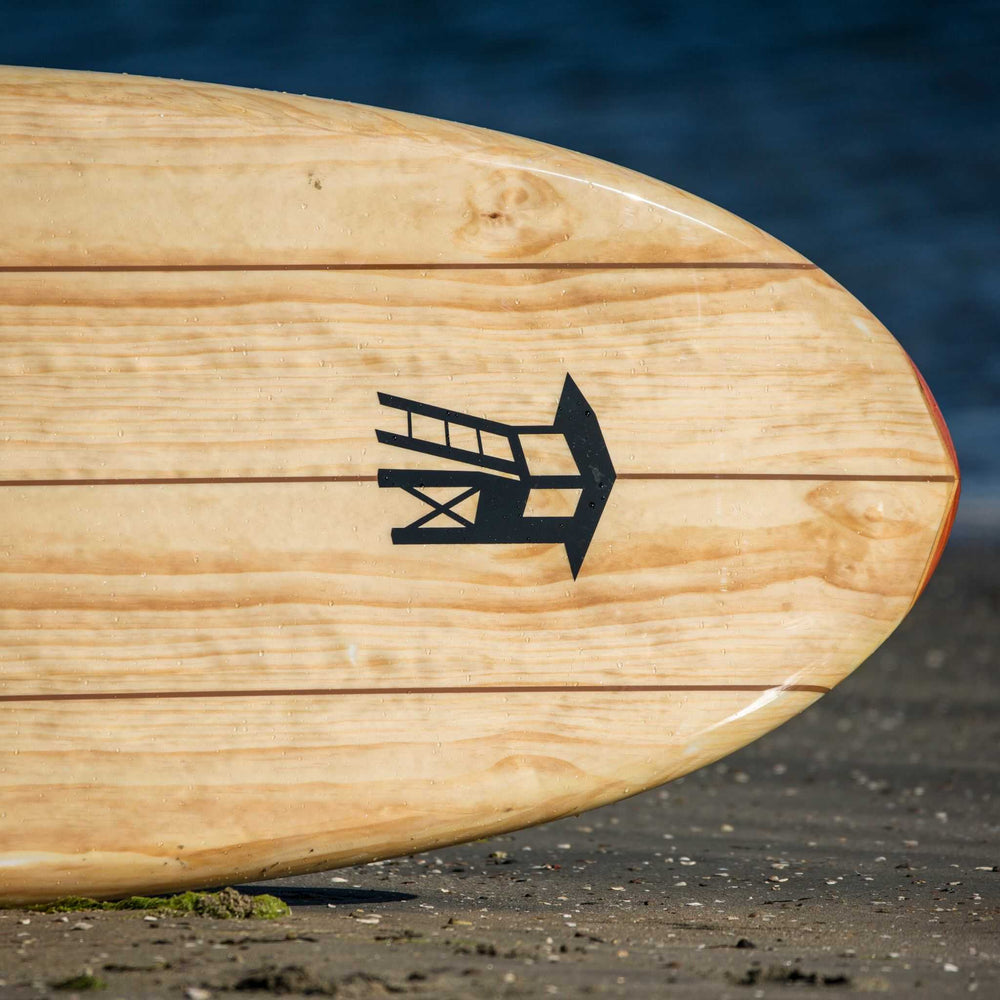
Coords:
370,483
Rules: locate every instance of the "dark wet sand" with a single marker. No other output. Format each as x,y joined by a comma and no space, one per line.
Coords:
854,850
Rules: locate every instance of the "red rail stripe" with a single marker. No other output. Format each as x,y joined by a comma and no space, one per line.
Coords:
949,445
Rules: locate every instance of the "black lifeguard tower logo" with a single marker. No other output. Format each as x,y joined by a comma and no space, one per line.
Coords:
527,484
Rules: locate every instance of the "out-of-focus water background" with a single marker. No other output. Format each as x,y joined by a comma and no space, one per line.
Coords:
864,133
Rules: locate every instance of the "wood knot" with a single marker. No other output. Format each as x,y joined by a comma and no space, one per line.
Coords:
514,213
873,510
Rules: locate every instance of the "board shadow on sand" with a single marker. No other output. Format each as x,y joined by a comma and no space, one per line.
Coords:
320,896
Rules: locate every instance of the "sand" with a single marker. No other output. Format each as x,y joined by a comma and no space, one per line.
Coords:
854,850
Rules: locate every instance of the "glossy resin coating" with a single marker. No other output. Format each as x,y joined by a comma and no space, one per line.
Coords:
370,483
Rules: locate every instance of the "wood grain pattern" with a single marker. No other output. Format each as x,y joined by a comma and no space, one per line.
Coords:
249,374
235,587
295,785
101,169
214,662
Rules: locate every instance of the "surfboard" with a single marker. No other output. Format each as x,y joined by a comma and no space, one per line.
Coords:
370,483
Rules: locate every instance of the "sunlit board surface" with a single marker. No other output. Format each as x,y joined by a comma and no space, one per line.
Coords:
370,483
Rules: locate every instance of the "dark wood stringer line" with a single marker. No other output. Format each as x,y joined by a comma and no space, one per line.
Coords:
453,266
189,481
415,690
809,477
817,477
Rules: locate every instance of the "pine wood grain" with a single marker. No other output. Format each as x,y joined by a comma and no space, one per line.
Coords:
230,587
97,169
105,804
250,374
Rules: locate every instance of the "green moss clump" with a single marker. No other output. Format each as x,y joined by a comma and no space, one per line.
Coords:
81,981
268,907
228,904
68,904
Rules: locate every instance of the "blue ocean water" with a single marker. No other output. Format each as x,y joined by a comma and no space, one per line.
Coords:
863,132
